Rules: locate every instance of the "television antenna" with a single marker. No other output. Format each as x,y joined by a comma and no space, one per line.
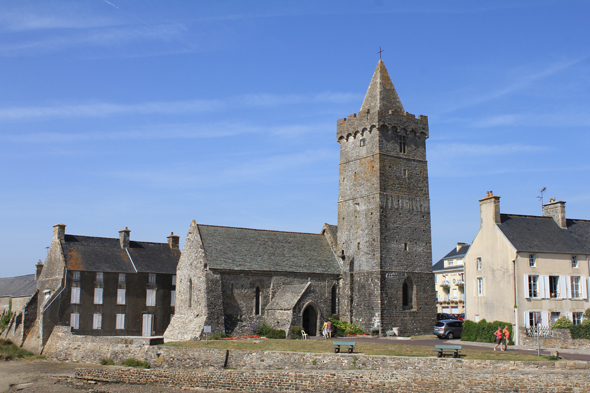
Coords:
541,198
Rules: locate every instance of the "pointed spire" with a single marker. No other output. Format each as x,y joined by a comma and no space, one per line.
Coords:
381,94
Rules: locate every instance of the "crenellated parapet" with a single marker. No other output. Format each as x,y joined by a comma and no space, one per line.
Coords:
402,122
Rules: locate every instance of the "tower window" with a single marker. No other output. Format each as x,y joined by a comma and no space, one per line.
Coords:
405,246
358,246
402,144
363,142
405,172
257,302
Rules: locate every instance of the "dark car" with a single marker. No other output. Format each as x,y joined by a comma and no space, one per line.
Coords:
448,328
440,316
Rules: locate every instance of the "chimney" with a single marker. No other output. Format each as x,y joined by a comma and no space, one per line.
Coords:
124,237
59,232
38,269
557,211
173,241
489,208
459,245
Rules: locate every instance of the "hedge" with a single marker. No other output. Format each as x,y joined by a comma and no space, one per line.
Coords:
484,331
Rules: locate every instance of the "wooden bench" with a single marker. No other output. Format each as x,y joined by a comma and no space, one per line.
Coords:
441,349
338,344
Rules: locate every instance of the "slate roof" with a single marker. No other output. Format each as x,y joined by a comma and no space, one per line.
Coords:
454,253
262,250
287,297
100,254
20,286
542,234
333,231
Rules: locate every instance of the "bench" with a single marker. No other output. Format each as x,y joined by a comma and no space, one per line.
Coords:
441,349
338,344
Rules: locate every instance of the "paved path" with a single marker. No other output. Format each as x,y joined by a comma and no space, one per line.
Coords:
567,354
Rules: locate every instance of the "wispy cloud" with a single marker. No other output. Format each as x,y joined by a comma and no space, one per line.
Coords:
102,109
445,150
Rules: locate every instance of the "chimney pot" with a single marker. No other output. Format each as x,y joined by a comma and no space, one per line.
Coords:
556,210
124,237
38,269
173,241
59,232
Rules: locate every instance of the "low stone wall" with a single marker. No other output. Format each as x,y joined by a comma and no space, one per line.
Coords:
560,338
350,381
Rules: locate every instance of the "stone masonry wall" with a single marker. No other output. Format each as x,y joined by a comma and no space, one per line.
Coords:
351,380
560,338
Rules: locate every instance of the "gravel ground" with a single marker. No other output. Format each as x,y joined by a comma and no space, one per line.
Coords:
47,376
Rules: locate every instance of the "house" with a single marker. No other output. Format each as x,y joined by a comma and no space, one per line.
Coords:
105,286
527,269
450,281
374,269
18,295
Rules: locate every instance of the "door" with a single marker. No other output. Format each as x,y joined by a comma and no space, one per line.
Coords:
310,320
146,326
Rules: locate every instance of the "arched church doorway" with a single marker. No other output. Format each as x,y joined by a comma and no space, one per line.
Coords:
310,320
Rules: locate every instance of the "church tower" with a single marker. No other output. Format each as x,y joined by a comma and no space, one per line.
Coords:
384,215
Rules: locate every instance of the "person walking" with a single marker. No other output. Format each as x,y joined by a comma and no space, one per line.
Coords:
329,328
499,335
325,329
506,334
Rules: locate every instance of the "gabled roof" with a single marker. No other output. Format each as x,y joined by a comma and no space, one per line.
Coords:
333,231
542,234
20,286
381,94
254,249
454,253
100,254
287,297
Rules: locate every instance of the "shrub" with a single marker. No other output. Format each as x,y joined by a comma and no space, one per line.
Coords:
6,317
587,314
261,329
562,323
295,332
219,336
135,363
107,362
580,331
276,334
341,328
484,331
470,329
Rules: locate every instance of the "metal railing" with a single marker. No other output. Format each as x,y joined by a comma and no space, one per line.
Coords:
544,331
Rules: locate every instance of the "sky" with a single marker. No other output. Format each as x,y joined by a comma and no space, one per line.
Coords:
148,114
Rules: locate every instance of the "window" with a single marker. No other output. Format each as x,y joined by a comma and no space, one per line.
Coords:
121,278
534,318
172,298
533,286
450,262
334,294
257,302
554,317
402,144
408,294
99,277
75,320
577,318
120,296
480,286
575,281
98,295
479,264
152,279
554,286
75,295
405,172
532,260
75,276
406,247
174,279
574,261
120,321
476,318
363,142
97,321
150,298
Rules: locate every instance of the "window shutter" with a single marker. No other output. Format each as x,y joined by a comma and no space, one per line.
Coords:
545,318
547,293
568,287
584,287
172,298
97,295
526,286
569,316
120,296
75,299
526,320
541,286
562,287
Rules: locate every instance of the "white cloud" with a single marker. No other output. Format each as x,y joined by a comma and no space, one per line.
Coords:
445,150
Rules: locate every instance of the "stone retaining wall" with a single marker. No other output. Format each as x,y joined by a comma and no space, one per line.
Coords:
492,380
560,338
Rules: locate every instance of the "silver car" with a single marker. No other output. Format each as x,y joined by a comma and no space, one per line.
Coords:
448,328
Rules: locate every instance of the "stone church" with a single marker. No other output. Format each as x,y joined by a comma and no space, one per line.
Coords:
374,269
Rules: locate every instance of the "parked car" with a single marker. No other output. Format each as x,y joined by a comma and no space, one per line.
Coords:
460,317
448,328
440,316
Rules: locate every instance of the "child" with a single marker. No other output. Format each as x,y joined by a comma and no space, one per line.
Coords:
499,335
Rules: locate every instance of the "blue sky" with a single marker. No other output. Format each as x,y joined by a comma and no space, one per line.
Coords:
149,114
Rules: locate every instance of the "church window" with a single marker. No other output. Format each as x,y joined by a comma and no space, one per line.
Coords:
402,144
405,172
257,302
334,297
408,294
405,246
190,292
363,142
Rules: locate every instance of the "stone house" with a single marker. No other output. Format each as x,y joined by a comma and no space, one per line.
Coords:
374,269
105,286
449,278
19,294
527,269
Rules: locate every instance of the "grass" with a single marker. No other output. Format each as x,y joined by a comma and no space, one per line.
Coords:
367,348
9,351
135,363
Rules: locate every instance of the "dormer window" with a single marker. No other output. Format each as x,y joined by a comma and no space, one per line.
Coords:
574,262
450,262
99,277
532,260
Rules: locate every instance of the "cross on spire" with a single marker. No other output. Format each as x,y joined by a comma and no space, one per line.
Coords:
380,50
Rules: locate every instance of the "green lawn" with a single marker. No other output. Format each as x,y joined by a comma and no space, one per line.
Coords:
324,346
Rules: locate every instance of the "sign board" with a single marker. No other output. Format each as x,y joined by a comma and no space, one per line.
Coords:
207,329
